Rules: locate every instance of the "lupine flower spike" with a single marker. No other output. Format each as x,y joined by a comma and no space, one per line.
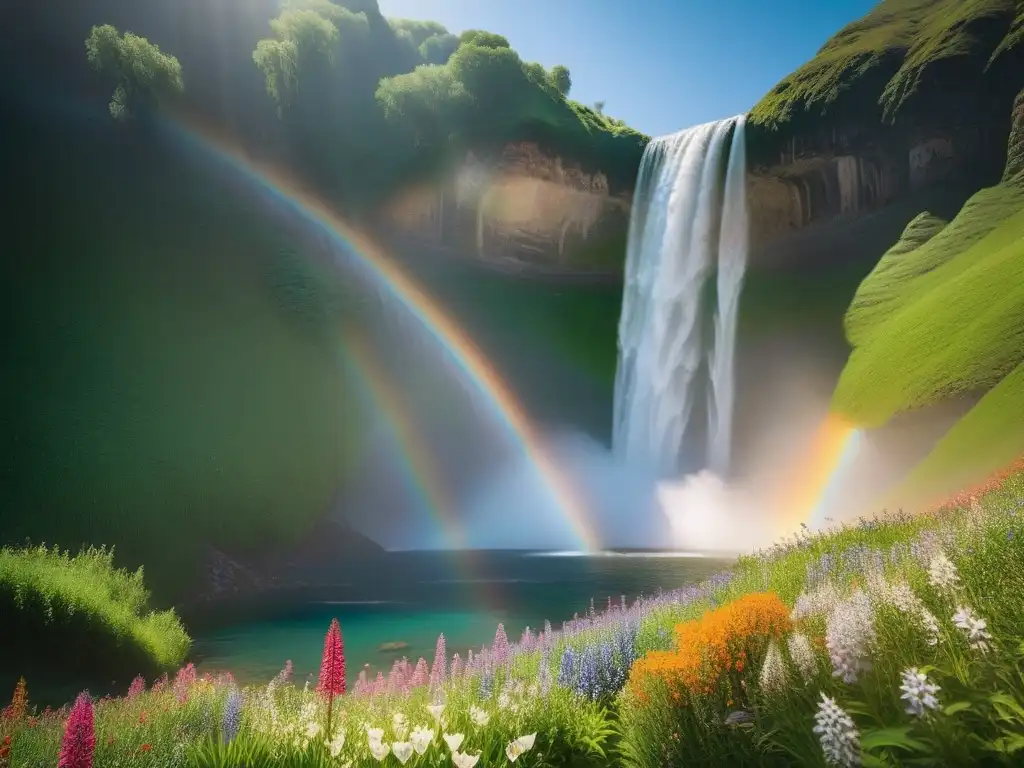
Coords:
332,669
79,742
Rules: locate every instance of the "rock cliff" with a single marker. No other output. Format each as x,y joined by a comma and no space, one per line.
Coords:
523,207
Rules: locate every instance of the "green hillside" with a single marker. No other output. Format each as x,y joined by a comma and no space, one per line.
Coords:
941,316
894,55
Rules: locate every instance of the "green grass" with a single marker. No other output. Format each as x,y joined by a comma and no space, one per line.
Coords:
988,437
979,719
940,319
51,598
882,61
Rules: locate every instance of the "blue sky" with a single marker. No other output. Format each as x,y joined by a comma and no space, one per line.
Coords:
661,65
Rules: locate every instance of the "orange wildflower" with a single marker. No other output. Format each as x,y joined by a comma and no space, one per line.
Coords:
711,649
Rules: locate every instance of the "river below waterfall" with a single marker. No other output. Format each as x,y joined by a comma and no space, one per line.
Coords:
464,596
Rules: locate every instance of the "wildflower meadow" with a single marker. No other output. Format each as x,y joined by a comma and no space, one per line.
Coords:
896,641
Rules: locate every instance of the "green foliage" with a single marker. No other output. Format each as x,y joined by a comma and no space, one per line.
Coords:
50,588
884,60
144,74
430,100
438,49
483,39
370,107
561,79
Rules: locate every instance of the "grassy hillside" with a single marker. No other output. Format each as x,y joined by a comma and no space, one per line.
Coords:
942,315
895,55
171,377
990,435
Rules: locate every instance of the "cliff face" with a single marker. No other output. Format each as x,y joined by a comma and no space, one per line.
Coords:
525,208
913,95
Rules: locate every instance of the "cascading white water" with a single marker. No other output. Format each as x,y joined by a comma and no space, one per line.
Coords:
686,221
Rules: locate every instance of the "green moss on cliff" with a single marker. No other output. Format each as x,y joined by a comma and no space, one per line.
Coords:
890,55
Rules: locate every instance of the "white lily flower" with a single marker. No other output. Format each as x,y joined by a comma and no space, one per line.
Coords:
379,750
454,741
521,745
374,734
478,716
421,739
402,750
462,760
435,710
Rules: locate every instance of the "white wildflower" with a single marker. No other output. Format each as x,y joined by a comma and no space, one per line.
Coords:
478,716
837,733
520,746
802,654
849,634
336,745
435,710
918,692
421,739
974,627
454,741
931,626
402,750
773,672
901,596
820,601
379,750
463,760
312,729
942,573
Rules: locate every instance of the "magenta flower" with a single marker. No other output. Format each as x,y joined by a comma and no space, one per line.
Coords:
419,675
137,688
79,743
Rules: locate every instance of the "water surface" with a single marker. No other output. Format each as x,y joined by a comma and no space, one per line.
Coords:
423,594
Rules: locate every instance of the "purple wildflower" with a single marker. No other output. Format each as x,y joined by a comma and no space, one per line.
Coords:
500,648
232,718
438,672
567,668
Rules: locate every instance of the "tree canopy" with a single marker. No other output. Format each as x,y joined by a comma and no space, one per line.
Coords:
144,74
365,103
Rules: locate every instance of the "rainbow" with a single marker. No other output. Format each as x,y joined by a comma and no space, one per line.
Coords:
835,446
445,331
422,472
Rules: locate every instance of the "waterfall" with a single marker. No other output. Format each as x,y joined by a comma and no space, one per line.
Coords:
689,219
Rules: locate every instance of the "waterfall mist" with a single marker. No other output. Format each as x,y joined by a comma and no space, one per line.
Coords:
689,220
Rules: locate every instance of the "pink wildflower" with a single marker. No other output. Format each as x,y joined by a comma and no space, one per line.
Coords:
137,687
438,671
79,735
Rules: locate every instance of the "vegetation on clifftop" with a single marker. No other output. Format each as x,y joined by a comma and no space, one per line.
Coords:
406,96
905,56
